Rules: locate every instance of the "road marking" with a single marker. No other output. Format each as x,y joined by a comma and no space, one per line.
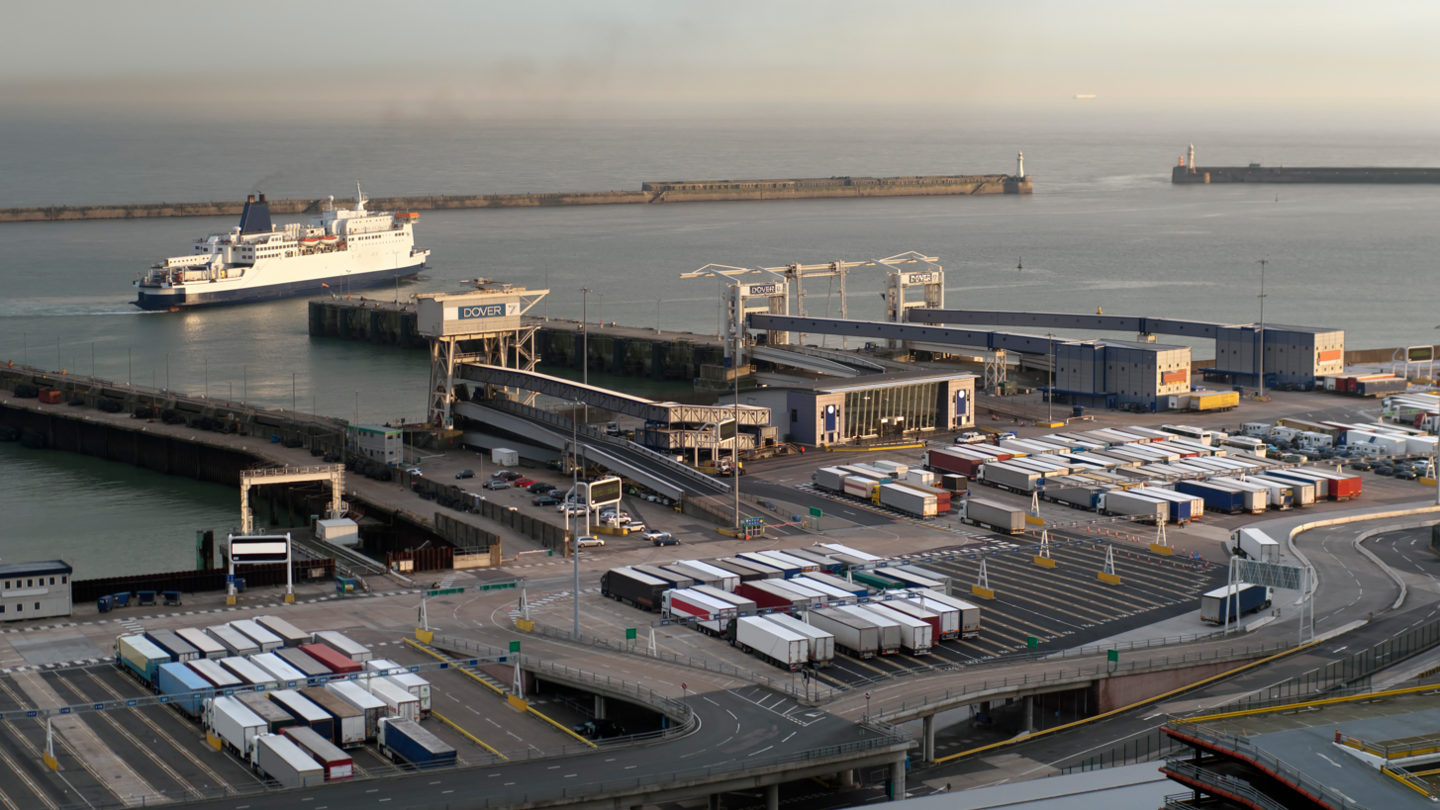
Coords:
732,714
1329,760
787,739
628,767
1346,647
761,751
708,700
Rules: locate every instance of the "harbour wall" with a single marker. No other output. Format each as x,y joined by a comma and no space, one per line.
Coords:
1188,175
81,428
666,192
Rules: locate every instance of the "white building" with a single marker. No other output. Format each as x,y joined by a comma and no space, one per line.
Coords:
35,590
384,444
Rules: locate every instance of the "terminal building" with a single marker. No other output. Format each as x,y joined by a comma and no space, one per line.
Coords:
35,590
1119,373
1294,355
378,442
845,411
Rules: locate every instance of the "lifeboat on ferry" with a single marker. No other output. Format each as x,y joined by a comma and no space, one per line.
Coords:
410,216
329,240
310,241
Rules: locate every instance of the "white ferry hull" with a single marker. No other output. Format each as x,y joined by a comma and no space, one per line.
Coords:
195,295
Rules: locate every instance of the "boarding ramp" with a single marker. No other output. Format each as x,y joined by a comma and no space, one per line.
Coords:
1064,320
639,464
668,413
805,361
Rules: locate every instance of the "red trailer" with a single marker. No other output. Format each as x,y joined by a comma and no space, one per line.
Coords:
772,594
1343,486
337,663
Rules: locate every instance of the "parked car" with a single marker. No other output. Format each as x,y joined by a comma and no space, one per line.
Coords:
540,486
636,526
415,471
545,500
1362,466
465,474
1386,470
500,473
970,437
570,509
513,476
596,729
588,541
495,483
662,539
524,482
1408,475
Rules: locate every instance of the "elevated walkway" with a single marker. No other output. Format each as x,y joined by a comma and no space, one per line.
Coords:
1064,320
669,413
816,362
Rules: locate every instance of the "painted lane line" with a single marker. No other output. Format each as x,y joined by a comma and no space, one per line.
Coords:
761,751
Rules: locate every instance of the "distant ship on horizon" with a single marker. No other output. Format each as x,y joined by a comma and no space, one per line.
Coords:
348,248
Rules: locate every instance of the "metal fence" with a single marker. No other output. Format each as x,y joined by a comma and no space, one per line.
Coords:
1231,786
1243,748
1148,747
1348,675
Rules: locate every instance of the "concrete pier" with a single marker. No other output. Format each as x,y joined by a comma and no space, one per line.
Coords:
620,350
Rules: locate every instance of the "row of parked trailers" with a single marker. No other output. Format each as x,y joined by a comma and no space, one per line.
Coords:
913,492
1140,476
324,682
799,606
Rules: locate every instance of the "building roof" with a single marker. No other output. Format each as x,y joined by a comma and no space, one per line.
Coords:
35,568
1132,344
831,385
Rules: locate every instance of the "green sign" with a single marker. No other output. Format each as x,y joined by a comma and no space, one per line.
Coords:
444,591
1113,656
514,646
752,522
1032,642
629,634
815,512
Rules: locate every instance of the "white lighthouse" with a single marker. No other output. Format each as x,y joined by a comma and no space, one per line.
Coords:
1190,160
1020,165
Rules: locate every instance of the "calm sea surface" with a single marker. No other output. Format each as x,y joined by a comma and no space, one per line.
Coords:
1105,229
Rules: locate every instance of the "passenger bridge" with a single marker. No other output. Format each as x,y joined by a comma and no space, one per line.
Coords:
1064,320
666,413
817,361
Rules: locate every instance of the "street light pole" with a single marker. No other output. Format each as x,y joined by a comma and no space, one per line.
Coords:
1262,264
585,342
575,535
1050,394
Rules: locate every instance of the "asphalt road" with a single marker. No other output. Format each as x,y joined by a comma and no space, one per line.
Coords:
741,725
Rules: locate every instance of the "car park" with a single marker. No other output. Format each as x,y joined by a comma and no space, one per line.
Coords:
545,500
465,474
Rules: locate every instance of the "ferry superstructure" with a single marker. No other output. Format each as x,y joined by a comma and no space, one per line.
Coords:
339,250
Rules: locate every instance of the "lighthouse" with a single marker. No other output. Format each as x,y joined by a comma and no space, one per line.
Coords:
1020,163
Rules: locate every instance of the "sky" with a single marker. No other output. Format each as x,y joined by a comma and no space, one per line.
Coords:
366,58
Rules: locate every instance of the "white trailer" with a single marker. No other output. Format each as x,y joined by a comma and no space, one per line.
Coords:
722,579
401,702
944,620
773,642
1302,491
344,645
208,647
233,640
1121,502
822,644
284,761
281,671
258,634
915,634
991,515
1256,545
857,634
292,635
890,631
969,614
404,678
246,671
236,726
909,500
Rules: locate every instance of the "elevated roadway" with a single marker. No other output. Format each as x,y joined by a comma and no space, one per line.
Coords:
1064,320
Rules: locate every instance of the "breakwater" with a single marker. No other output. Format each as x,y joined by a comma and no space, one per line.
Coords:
1187,175
650,193
619,350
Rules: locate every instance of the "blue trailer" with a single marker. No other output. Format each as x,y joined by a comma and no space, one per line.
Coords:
405,740
1237,600
1216,499
186,689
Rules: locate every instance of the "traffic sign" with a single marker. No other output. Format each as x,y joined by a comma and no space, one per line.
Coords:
1032,642
444,591
1113,656
683,686
815,512
629,634
514,646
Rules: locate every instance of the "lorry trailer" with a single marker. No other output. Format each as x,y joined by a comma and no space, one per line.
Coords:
246,671
719,577
996,516
354,694
276,667
234,724
1234,600
343,644
634,588
821,650
349,722
772,642
915,634
304,711
773,594
969,614
233,640
398,698
406,741
253,630
890,630
180,650
279,758
1218,499
335,763
314,670
675,580
1005,475
857,635
1254,544
338,663
218,676
1121,502
185,688
743,606
291,635
140,657
909,500
204,644
275,717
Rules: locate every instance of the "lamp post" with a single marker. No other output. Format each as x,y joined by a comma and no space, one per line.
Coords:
1262,264
292,393
585,342
575,534
1050,392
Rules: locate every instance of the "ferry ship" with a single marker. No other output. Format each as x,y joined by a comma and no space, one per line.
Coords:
340,250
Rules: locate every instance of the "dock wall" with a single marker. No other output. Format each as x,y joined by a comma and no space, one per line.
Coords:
674,192
1201,175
